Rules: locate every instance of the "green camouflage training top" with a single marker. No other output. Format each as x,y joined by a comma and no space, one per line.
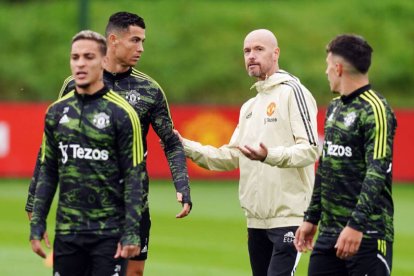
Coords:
150,102
354,177
92,150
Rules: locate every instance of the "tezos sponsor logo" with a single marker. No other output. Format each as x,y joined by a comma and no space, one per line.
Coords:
270,120
338,150
77,152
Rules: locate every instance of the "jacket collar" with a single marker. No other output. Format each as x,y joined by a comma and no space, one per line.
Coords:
117,76
356,93
277,78
86,97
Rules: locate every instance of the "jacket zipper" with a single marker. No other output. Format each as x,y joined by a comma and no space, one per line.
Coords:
81,110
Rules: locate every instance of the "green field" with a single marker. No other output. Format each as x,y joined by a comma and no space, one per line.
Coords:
212,241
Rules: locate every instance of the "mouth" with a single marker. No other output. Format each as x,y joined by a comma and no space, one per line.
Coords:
253,65
81,74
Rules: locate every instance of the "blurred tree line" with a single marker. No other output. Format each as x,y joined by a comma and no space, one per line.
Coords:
194,48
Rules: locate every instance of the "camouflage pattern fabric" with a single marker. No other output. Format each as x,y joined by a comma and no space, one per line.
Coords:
92,150
354,178
149,101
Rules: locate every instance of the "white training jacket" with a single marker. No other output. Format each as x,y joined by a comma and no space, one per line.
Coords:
276,192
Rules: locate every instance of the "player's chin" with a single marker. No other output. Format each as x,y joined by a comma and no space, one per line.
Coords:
253,73
82,84
133,62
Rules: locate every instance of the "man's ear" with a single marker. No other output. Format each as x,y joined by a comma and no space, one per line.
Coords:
112,40
277,53
339,68
104,61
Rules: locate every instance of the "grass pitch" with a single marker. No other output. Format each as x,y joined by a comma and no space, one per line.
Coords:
211,241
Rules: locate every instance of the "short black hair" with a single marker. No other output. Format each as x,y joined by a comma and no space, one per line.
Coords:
354,49
120,21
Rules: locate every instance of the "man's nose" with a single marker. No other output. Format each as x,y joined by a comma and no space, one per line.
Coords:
140,47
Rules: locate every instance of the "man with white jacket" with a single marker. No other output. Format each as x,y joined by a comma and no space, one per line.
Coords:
275,148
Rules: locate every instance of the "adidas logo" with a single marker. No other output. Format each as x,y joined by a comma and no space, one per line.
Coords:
289,237
64,119
145,249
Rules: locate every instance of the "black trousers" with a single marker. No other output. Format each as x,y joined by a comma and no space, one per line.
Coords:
374,258
79,255
272,252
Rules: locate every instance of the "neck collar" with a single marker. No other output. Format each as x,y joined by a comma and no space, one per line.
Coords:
98,94
348,98
117,76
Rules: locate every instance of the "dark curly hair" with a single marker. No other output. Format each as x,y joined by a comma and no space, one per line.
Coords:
354,49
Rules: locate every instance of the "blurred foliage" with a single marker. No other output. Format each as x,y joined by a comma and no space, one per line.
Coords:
194,48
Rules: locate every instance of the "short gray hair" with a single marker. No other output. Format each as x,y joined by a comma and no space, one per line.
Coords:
94,36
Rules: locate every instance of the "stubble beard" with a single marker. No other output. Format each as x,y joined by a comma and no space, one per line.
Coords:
253,73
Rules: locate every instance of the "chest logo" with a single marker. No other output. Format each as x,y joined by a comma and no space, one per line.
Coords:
350,119
330,118
133,97
271,109
101,120
64,119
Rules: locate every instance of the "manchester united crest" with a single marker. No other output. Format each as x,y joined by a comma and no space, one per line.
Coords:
101,120
349,119
271,109
133,97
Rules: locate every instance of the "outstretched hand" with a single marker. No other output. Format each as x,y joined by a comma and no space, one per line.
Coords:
259,154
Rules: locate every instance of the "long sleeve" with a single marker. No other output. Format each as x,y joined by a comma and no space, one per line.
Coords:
313,213
379,126
225,158
47,181
302,118
162,124
67,86
129,144
33,183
